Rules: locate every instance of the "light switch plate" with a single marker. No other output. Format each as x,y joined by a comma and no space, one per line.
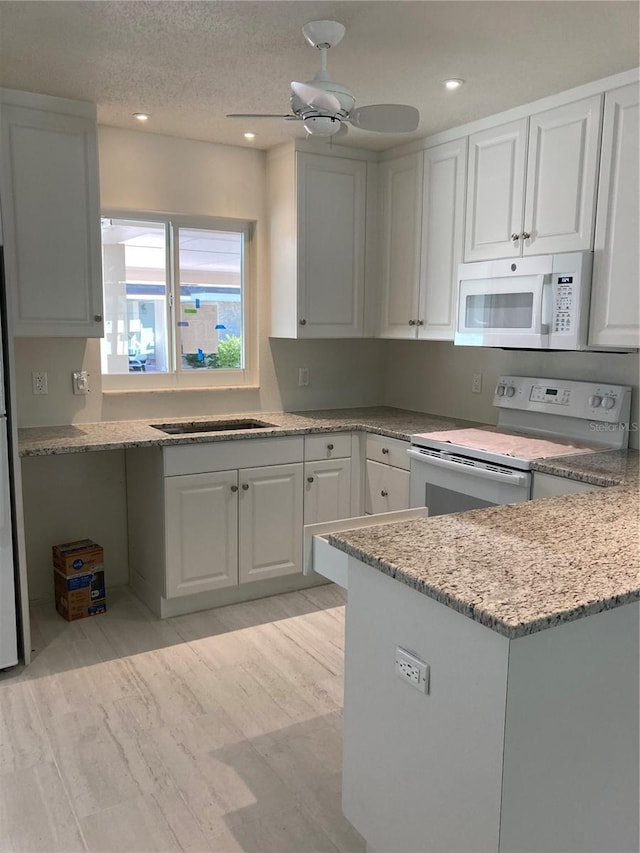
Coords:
81,382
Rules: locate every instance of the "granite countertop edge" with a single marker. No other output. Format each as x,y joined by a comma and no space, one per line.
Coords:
510,630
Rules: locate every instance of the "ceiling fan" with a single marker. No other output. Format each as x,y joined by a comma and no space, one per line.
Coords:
326,108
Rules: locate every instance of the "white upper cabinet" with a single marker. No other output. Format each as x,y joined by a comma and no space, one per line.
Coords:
532,184
317,226
422,198
615,299
401,222
51,216
442,238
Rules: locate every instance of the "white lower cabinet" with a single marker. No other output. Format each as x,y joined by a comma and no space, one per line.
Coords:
327,490
201,512
269,522
387,475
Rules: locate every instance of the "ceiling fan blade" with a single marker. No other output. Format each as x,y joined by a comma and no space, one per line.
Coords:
263,115
316,98
385,118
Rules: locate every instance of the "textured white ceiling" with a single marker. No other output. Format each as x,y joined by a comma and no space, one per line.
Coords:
190,63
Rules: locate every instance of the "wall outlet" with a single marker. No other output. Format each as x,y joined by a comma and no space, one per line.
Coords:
39,382
412,670
80,381
303,376
476,385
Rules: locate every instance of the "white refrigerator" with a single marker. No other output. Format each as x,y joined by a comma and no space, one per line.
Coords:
8,631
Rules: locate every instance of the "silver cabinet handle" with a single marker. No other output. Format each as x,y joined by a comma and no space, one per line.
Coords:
329,446
515,237
309,479
525,235
385,450
97,318
234,488
245,486
303,322
384,493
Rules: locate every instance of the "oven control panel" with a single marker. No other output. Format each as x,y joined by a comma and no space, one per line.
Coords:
589,401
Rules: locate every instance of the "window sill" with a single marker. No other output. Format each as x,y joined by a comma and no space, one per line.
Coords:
201,389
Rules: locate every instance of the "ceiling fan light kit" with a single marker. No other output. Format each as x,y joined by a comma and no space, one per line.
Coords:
326,107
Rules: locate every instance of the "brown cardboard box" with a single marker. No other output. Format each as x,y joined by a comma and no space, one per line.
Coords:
78,558
79,596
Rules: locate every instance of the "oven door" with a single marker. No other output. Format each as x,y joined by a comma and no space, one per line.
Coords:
445,482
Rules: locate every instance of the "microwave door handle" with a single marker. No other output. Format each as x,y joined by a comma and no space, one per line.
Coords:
546,306
517,478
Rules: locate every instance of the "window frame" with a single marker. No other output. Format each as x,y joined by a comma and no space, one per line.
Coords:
175,379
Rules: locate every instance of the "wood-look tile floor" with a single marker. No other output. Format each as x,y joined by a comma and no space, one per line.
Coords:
219,731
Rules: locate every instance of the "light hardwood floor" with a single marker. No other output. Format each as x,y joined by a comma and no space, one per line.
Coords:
218,731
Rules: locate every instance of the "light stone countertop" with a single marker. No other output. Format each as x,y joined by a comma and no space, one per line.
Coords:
521,568
516,569
117,435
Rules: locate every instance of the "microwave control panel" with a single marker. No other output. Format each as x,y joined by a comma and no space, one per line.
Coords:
563,304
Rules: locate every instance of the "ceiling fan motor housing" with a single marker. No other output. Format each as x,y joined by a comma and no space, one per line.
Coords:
322,81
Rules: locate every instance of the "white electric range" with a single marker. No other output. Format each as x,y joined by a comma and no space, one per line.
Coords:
460,469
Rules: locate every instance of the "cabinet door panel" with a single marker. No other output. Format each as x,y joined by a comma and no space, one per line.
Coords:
270,522
401,182
331,222
387,488
561,178
442,238
615,296
495,191
201,513
49,182
328,496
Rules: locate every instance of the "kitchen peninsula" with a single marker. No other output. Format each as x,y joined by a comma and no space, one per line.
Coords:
527,616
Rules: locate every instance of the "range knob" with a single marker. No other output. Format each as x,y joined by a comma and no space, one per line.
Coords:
510,391
595,401
500,390
608,402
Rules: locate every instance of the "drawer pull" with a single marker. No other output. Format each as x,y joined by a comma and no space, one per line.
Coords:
234,488
309,479
385,451
303,322
97,318
245,486
384,493
329,446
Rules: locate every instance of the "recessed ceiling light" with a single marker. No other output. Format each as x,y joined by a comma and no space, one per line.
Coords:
453,83
249,135
142,116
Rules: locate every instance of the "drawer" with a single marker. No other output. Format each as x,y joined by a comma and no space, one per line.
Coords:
229,454
387,488
328,445
323,559
391,451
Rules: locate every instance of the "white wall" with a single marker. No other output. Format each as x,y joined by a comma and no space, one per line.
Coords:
436,377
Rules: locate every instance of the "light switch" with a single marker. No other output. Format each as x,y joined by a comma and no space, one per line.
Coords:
81,382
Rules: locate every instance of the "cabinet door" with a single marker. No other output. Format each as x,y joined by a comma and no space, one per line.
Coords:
327,490
387,488
331,235
562,166
270,522
201,516
495,191
615,302
51,219
401,198
442,238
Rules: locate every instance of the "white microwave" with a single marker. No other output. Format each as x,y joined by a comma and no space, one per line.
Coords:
540,302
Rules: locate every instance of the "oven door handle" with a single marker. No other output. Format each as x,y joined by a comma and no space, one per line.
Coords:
518,478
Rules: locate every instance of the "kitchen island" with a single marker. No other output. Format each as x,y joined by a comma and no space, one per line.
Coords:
527,617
